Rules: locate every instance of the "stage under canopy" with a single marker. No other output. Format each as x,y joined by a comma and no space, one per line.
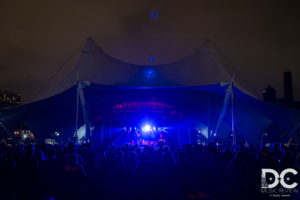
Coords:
181,109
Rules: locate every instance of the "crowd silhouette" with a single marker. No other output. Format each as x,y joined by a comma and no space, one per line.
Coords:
132,172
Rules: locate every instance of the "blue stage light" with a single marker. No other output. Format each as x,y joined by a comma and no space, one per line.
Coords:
149,73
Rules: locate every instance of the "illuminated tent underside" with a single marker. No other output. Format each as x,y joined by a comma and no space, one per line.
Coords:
188,105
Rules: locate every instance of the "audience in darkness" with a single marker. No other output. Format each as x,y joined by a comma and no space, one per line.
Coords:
139,172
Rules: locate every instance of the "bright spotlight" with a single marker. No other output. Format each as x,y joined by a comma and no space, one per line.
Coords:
147,128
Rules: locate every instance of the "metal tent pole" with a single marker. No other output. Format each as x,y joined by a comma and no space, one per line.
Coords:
77,109
232,119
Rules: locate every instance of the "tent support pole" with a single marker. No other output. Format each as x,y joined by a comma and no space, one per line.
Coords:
110,129
227,99
80,97
77,109
232,120
81,86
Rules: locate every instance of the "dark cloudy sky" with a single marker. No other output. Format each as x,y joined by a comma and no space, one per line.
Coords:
260,38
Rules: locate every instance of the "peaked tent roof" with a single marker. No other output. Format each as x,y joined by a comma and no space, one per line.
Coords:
204,66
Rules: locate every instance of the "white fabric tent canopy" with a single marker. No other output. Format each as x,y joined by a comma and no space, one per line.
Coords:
204,66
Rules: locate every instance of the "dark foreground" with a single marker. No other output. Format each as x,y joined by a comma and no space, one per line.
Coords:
131,172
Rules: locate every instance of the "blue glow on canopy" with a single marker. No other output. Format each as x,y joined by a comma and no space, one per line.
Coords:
151,59
149,73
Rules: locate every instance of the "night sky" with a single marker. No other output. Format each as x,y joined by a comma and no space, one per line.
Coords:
37,37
